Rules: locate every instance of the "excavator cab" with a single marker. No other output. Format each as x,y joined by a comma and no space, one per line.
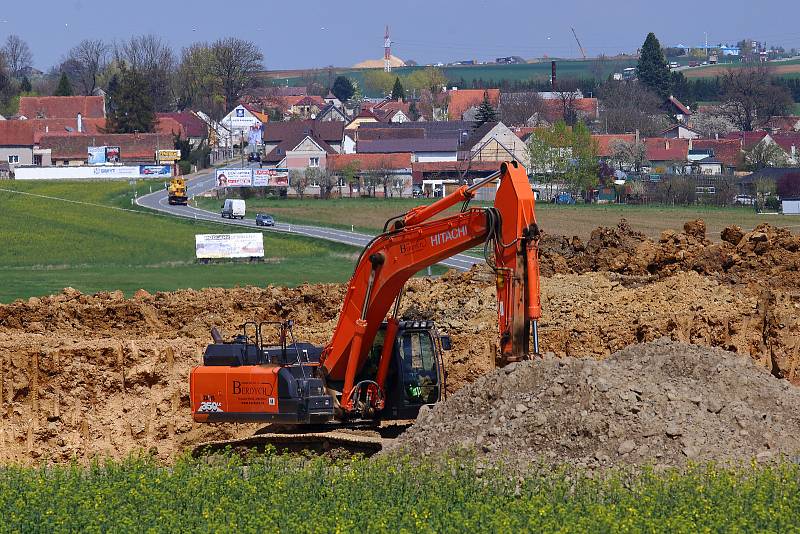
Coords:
416,371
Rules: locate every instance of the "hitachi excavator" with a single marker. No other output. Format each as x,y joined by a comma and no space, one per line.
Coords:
376,367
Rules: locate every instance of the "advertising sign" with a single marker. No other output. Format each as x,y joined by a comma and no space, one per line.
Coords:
234,177
167,155
155,170
213,246
88,172
270,177
122,171
254,139
97,154
112,154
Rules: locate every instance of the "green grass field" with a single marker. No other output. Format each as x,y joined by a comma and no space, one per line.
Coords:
280,494
50,244
369,215
567,68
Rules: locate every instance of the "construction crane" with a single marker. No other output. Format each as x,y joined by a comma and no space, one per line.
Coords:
378,367
583,53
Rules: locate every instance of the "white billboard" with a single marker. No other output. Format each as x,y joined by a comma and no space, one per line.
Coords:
215,246
89,172
268,177
234,177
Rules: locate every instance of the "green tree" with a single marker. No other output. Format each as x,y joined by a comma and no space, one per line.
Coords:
582,173
430,79
343,88
652,68
486,113
378,82
64,87
131,108
398,93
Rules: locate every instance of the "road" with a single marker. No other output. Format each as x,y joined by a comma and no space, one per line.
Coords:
158,201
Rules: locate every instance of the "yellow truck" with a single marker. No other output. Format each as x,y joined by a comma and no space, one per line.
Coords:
177,192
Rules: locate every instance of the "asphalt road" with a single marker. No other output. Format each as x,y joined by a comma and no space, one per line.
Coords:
158,201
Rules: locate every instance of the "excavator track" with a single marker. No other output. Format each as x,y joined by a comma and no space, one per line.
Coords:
336,440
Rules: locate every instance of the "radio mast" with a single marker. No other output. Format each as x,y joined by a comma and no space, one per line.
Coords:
387,51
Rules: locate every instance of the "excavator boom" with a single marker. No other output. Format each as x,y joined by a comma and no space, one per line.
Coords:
418,242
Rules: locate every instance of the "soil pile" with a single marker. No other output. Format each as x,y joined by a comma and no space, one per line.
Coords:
766,254
662,402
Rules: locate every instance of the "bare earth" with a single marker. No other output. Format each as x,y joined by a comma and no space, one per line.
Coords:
100,375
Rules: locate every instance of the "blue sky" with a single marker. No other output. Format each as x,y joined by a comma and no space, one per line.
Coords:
316,33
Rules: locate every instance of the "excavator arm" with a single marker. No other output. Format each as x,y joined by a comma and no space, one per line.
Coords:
416,242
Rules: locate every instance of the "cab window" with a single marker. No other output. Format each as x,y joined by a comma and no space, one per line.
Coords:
420,380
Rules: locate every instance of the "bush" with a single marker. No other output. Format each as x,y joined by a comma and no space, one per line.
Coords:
185,167
773,203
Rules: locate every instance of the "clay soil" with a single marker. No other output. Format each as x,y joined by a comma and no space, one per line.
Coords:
84,376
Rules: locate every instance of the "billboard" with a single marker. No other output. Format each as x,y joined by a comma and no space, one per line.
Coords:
155,170
97,154
234,177
168,155
215,246
270,177
112,154
254,137
88,172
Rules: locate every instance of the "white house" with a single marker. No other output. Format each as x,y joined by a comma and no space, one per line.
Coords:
240,120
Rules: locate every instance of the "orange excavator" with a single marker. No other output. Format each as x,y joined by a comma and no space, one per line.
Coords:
377,367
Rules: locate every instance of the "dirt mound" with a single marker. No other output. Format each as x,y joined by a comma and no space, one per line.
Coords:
765,254
662,402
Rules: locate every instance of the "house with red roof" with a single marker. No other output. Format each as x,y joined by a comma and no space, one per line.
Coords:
667,155
134,148
188,123
62,107
464,101
279,137
604,143
677,109
42,127
727,151
747,139
16,143
377,174
790,144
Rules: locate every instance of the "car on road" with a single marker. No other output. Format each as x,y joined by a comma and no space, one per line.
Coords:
744,200
263,219
254,157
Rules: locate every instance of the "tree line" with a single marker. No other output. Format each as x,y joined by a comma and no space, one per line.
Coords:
142,74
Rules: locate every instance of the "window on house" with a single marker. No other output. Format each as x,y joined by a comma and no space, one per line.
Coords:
13,158
37,159
313,162
341,182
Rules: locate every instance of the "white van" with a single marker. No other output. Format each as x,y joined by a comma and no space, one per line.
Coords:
233,208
